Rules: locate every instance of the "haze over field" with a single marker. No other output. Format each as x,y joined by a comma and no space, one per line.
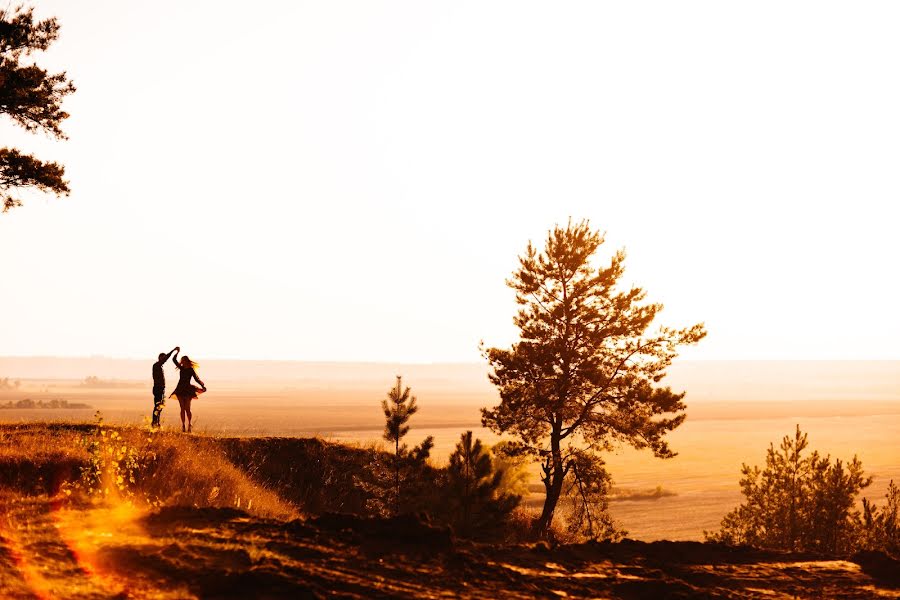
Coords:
735,409
703,380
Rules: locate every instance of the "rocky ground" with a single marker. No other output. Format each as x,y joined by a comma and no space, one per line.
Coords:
50,549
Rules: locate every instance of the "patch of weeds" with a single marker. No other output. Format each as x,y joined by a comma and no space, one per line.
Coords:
115,464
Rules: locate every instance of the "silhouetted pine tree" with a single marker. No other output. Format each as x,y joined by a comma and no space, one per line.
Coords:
586,371
399,406
475,502
881,525
376,482
797,502
32,98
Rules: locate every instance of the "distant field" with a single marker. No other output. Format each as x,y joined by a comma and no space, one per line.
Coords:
734,411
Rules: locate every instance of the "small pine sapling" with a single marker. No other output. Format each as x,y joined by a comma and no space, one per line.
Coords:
473,484
399,406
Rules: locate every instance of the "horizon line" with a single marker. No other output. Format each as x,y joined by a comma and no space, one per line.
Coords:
415,363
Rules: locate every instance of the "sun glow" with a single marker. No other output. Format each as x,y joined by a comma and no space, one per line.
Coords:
88,533
58,549
30,569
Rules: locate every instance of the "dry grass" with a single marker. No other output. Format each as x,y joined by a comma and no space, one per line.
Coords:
278,478
195,471
266,477
171,469
314,475
39,458
41,442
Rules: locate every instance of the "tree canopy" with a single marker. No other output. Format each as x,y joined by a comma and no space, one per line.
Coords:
32,98
585,374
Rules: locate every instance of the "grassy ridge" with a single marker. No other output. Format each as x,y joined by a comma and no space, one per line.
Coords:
267,477
313,475
174,469
275,478
39,459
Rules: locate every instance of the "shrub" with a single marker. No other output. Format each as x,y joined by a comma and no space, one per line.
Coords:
515,469
384,475
474,501
881,525
588,492
797,502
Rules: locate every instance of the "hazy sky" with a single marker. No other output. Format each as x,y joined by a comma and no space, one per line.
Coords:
354,180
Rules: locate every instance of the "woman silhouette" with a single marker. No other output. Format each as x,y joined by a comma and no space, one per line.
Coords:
186,391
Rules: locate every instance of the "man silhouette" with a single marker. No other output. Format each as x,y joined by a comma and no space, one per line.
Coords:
159,385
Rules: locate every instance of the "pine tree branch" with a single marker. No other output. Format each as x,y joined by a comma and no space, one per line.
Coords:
19,170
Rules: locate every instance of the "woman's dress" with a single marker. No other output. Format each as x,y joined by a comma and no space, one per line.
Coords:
185,391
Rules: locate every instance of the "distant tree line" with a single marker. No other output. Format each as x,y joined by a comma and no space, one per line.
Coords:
95,382
6,384
55,403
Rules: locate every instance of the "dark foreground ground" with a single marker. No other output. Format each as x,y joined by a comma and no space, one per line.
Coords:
49,550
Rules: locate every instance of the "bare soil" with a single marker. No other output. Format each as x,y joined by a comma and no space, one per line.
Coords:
50,549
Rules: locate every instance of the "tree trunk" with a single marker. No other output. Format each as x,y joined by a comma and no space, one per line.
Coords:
397,476
552,485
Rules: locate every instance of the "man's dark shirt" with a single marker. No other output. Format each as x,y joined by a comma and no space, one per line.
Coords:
159,378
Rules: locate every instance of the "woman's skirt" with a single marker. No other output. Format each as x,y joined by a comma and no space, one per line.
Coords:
186,393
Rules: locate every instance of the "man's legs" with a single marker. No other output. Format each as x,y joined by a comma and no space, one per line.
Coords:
157,405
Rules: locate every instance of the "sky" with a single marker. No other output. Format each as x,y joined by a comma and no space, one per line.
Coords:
353,181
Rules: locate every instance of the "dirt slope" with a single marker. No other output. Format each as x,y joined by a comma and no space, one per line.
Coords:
53,551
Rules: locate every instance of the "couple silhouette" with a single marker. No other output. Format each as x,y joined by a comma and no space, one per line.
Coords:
185,391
